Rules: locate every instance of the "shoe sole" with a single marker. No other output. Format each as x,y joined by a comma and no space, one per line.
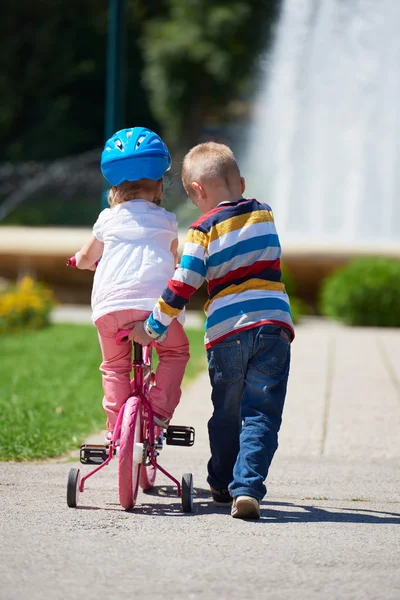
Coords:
245,509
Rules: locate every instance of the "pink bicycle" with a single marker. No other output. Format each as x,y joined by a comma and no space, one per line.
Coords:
137,441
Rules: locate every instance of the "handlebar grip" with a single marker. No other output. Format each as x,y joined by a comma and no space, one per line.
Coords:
71,262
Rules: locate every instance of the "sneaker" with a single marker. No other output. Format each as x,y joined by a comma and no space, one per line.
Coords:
221,497
245,507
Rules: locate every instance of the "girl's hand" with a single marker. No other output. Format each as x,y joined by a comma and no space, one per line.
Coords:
71,262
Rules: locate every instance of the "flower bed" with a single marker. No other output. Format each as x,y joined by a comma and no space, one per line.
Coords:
25,305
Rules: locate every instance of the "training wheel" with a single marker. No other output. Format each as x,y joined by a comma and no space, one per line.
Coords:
74,480
138,453
187,492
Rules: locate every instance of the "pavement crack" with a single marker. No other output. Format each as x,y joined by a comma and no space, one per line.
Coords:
328,392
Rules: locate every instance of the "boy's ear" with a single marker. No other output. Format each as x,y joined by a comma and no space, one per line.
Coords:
198,189
242,184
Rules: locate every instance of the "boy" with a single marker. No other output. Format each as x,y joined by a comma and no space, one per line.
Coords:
235,247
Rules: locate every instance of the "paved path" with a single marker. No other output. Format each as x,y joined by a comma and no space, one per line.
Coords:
330,526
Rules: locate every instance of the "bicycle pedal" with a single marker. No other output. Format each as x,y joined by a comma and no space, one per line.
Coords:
93,454
179,435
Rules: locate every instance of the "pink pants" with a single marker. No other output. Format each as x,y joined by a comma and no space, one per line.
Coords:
173,354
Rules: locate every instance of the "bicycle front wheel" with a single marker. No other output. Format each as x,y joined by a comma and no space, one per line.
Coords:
129,468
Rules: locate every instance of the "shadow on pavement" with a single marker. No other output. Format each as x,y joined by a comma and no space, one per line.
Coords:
157,508
271,512
315,514
174,508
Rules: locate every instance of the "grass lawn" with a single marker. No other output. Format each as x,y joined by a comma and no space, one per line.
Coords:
50,389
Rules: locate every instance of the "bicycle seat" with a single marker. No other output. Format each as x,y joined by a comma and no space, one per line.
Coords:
122,336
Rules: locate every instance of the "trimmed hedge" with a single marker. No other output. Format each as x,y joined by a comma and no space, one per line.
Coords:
365,292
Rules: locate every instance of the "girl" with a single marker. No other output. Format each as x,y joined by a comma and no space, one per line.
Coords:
137,241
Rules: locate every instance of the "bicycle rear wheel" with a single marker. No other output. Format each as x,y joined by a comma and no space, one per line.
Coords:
148,473
129,470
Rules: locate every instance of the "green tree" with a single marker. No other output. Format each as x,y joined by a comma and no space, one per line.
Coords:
200,55
50,67
52,78
189,57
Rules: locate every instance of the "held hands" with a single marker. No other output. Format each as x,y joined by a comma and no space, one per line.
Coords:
139,335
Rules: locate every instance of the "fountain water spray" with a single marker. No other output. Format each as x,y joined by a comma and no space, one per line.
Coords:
324,149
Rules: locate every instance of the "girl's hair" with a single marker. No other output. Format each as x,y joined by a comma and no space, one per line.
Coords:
130,190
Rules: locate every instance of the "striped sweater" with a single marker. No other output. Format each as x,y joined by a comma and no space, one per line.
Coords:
236,249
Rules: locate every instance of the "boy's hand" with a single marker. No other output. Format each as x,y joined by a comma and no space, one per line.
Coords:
139,335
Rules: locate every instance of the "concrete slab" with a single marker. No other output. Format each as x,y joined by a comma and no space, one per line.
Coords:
343,398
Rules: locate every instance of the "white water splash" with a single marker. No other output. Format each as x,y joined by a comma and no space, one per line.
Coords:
324,148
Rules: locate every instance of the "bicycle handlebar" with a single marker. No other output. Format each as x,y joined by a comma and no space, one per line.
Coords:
71,262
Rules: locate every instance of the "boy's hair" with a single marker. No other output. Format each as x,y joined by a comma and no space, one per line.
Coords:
208,161
130,190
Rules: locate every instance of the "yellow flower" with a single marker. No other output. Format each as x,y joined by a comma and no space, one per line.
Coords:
26,284
27,305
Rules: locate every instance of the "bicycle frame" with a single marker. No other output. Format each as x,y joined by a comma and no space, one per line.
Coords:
140,384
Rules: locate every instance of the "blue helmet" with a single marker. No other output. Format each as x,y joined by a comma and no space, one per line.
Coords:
133,154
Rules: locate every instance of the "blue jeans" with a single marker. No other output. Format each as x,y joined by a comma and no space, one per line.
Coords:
248,373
